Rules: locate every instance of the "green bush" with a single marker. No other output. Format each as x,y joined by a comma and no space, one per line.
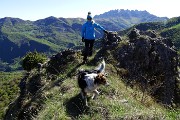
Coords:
31,60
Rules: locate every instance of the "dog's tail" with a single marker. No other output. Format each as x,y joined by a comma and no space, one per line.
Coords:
101,67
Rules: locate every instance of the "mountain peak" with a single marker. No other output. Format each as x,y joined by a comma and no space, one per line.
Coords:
11,20
47,21
130,14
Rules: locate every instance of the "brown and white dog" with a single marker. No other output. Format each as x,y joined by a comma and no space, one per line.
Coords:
90,80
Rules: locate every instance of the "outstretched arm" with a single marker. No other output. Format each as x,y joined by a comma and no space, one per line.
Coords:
100,27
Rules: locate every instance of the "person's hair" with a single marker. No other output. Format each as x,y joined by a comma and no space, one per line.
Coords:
89,17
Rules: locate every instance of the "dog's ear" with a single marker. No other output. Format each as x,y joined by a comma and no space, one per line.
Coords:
101,79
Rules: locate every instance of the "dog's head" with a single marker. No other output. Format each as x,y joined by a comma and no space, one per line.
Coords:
101,79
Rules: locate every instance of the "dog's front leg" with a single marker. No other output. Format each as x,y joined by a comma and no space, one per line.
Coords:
82,94
85,100
95,94
84,97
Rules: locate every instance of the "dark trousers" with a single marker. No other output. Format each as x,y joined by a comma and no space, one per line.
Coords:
88,48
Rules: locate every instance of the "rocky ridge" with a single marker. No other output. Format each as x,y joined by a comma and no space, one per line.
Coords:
144,59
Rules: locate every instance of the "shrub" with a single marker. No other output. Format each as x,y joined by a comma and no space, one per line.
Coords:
31,60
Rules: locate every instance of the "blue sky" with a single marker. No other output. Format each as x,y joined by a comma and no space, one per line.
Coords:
39,9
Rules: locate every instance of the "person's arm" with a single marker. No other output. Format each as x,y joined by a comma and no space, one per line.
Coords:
100,27
83,32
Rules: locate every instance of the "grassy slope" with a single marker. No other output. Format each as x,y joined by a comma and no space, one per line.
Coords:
116,101
9,89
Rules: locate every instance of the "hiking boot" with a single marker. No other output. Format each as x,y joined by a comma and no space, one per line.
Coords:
90,53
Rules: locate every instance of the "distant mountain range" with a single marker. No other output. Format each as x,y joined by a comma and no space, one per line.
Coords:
52,34
122,19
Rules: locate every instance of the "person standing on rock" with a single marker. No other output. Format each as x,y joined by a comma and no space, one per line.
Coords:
88,35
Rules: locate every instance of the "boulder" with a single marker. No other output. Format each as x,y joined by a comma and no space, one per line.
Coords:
59,62
134,34
111,39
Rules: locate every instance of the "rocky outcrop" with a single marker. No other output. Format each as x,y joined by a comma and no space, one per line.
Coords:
111,39
152,61
109,42
58,63
145,59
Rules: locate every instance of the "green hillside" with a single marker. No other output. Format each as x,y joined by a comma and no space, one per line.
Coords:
17,37
172,31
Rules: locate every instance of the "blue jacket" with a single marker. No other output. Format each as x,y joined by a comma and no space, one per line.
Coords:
88,30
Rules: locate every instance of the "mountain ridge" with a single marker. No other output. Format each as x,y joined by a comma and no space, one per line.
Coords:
128,14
